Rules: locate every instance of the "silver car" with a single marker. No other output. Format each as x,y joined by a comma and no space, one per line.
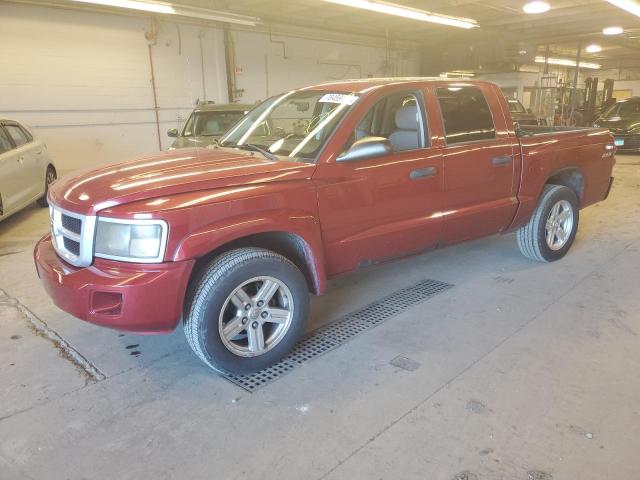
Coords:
207,123
26,171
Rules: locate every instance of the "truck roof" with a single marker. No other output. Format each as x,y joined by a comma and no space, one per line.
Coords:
359,85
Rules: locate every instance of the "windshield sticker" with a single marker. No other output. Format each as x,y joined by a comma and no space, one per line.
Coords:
338,98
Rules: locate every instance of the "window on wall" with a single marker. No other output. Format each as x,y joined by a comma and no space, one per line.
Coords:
397,117
466,115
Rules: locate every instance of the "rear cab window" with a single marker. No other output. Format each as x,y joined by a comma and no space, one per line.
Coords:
465,114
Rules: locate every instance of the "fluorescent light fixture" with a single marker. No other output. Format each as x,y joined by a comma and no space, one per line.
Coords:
628,5
536,7
406,12
612,30
133,5
175,9
593,48
565,62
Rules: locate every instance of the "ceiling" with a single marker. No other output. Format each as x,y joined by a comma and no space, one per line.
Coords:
568,22
501,22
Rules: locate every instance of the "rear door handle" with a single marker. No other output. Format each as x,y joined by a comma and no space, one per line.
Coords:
423,173
501,160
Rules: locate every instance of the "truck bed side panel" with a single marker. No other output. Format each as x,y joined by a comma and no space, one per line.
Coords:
546,155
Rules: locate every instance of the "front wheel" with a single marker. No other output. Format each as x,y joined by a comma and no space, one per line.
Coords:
246,310
552,228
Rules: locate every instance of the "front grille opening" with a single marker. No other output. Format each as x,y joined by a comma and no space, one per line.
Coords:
72,246
72,224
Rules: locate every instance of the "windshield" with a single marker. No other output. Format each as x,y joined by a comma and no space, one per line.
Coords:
209,124
516,107
623,109
294,125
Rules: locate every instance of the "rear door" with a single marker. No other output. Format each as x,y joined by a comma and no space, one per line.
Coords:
11,194
29,154
481,159
382,207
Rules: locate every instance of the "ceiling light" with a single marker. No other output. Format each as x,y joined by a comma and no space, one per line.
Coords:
612,30
593,48
174,9
133,5
406,12
536,7
628,5
565,62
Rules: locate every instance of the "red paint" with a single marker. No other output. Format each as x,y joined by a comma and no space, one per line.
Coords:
346,214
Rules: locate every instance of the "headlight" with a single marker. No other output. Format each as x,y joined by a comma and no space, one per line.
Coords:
131,240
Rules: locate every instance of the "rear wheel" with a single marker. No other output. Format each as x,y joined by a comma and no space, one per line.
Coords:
49,178
246,310
552,228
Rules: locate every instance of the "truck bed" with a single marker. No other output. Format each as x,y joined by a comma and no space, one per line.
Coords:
531,130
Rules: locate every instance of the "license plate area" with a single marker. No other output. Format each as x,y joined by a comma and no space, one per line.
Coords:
619,142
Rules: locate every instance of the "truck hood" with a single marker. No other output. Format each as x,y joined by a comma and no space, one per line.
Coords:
170,173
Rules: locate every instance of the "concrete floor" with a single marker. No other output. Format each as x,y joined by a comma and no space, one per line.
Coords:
527,371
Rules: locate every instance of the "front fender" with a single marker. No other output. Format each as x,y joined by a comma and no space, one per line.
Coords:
296,222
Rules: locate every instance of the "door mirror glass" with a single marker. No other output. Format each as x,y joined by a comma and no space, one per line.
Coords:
172,132
367,147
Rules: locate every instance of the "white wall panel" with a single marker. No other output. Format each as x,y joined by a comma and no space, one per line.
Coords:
82,79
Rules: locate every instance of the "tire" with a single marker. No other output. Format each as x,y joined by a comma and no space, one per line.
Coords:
49,178
221,329
533,238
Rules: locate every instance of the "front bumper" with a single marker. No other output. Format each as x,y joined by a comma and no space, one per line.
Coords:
142,298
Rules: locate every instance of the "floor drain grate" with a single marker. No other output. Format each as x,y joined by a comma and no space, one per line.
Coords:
330,336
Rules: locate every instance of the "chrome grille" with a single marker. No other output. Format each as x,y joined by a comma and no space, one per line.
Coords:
72,235
72,224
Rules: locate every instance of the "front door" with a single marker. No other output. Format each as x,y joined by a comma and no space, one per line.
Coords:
384,206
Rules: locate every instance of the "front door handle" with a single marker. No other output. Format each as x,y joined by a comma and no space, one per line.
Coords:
501,160
423,173
20,159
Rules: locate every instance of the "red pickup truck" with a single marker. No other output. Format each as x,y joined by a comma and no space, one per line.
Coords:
309,184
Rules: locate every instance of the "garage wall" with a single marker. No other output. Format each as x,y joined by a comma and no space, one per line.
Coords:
270,64
82,80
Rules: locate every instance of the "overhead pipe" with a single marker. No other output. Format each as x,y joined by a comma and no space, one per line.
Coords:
152,39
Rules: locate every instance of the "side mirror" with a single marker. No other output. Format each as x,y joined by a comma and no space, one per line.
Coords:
172,132
367,147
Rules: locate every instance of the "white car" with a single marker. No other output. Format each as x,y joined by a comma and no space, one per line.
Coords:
26,171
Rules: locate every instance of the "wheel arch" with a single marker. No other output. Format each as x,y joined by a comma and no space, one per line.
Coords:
570,177
290,245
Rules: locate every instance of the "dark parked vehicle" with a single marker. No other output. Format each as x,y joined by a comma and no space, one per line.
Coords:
207,123
623,121
520,114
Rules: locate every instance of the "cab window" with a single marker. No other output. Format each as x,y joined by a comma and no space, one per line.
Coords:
399,117
466,115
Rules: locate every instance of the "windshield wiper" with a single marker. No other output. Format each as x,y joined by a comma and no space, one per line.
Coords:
255,148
